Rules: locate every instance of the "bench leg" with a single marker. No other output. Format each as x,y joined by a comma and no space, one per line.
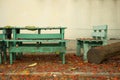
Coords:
78,51
85,48
20,55
14,56
11,58
5,56
4,53
62,55
0,58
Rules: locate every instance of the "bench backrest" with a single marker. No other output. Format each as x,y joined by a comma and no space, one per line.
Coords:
100,32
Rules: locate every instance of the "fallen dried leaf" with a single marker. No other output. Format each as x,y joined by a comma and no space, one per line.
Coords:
72,69
31,65
27,72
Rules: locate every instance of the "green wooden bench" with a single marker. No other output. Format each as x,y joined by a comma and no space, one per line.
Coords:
37,42
99,37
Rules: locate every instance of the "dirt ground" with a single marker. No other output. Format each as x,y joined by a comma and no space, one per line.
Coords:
50,67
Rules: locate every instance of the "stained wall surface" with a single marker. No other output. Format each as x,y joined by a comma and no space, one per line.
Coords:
77,15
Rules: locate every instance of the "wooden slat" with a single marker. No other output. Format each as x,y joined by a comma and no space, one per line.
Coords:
100,27
39,36
37,49
99,34
1,36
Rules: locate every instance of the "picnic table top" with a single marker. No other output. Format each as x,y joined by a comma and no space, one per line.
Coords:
32,27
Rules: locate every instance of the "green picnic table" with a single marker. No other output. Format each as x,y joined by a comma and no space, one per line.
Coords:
37,42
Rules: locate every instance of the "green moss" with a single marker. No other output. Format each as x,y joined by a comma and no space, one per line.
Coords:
8,26
31,28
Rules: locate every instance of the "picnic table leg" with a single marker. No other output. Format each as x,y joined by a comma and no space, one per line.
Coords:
5,54
62,55
14,56
0,58
78,53
85,48
20,53
11,58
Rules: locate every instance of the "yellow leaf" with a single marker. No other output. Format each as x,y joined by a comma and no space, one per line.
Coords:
8,26
30,28
73,69
57,52
31,65
26,72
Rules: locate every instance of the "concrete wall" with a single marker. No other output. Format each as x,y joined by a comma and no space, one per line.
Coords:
77,15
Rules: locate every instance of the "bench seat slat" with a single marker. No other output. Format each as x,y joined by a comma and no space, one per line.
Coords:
38,49
39,36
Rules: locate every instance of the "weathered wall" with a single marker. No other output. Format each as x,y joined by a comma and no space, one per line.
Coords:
77,15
